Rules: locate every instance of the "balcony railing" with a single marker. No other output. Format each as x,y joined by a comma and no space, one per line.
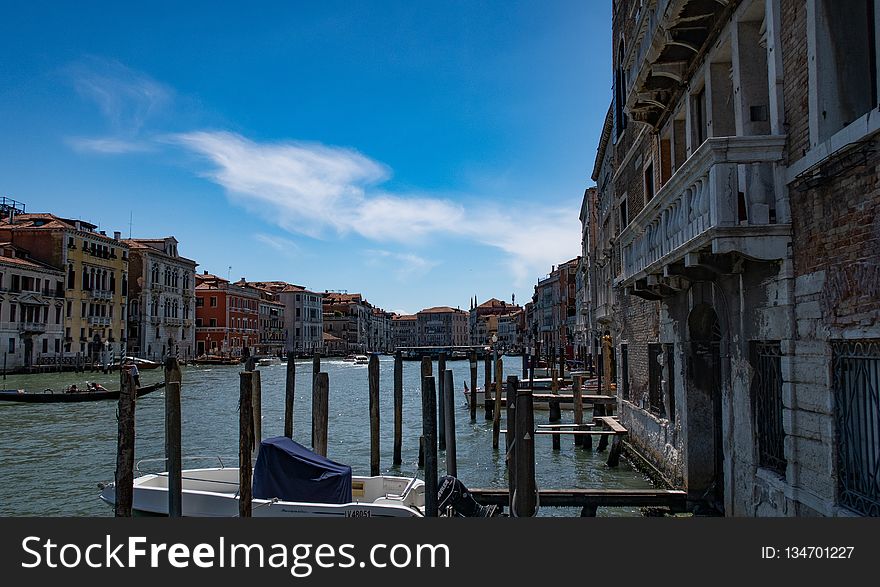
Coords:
723,199
34,327
99,320
101,294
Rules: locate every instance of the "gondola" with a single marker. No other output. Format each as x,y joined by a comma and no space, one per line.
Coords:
49,397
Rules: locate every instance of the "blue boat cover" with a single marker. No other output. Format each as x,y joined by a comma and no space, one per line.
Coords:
290,472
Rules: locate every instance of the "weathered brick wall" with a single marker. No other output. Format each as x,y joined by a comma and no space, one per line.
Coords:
836,230
796,76
639,324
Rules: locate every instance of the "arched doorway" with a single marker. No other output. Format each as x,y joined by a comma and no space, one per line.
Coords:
705,458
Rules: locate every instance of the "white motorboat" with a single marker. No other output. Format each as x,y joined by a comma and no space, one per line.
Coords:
349,359
267,362
361,360
289,481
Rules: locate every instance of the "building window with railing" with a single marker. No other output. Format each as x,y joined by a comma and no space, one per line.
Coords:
767,404
856,387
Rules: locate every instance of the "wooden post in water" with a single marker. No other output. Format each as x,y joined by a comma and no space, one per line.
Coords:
321,413
555,408
562,362
125,449
510,437
496,411
257,407
429,434
578,407
487,385
173,460
525,364
250,364
316,368
526,495
289,393
397,458
373,374
441,401
427,366
473,390
245,443
449,408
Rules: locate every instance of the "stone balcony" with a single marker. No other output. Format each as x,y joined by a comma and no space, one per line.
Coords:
101,294
671,35
99,321
721,205
32,327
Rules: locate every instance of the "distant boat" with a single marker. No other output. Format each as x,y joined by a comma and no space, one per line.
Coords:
52,397
142,364
215,360
361,360
266,362
349,359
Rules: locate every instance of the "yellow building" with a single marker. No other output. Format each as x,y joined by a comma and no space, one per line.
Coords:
96,278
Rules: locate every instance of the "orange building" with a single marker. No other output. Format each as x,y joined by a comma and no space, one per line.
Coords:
227,317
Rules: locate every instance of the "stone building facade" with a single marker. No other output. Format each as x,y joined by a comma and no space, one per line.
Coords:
162,301
734,262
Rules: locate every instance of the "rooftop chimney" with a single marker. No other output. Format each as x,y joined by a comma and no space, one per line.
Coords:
117,235
103,233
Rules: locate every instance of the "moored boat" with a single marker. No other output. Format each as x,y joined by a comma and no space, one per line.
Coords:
289,481
49,396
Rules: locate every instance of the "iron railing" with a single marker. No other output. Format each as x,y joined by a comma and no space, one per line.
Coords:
767,396
856,385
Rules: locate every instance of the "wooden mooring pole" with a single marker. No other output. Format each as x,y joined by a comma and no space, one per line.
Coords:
555,408
525,364
441,401
429,434
373,373
473,390
397,458
316,368
125,449
487,384
449,409
496,411
427,366
510,437
289,394
257,407
245,443
321,412
525,502
173,459
578,409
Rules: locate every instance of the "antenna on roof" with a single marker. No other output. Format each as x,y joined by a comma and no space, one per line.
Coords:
229,273
130,222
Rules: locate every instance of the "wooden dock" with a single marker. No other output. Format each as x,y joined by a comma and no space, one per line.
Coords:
590,499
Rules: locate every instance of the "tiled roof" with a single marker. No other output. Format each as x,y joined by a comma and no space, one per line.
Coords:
440,310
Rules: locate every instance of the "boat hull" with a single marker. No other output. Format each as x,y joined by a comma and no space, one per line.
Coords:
213,493
62,397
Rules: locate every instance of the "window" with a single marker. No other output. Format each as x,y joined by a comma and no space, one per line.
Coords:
655,377
845,63
700,130
649,182
12,307
669,359
45,346
767,405
213,323
856,388
624,369
624,215
214,301
200,302
11,346
619,93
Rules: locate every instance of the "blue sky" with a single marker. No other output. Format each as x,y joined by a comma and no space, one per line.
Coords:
418,152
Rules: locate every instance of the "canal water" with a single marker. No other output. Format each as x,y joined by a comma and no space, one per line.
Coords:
52,456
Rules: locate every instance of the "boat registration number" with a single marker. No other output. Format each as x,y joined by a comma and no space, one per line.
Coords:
359,514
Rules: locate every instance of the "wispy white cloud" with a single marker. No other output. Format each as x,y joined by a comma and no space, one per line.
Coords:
404,266
285,246
128,100
109,145
126,97
314,189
